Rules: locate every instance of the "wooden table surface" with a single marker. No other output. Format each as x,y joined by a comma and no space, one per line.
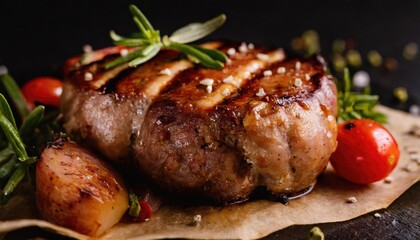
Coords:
401,220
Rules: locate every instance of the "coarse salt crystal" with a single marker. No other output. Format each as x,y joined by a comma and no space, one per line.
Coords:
329,134
166,71
388,179
410,167
262,56
124,52
298,65
87,48
196,220
207,82
209,89
298,82
307,77
414,110
253,67
351,200
231,51
330,118
88,76
3,70
260,93
243,48
415,156
228,79
281,70
268,73
251,46
225,92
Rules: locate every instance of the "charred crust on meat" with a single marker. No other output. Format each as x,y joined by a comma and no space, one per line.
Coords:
198,144
58,142
281,198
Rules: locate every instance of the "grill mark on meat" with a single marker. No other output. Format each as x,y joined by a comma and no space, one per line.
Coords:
220,145
242,74
279,88
186,88
111,86
147,80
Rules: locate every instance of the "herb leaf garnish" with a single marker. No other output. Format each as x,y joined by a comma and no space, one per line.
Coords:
147,42
354,105
19,146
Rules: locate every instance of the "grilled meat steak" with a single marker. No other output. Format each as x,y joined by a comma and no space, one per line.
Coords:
262,120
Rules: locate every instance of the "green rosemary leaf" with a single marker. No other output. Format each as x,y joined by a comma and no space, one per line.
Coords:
353,105
355,115
148,53
366,90
215,54
137,35
50,116
15,95
14,180
138,14
364,98
31,122
7,169
202,57
142,28
124,59
6,153
150,39
347,81
114,36
195,31
31,160
378,116
13,137
362,106
6,110
131,42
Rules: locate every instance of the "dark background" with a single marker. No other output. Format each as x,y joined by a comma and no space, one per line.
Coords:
36,37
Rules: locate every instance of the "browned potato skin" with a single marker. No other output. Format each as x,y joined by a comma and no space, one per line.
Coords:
76,190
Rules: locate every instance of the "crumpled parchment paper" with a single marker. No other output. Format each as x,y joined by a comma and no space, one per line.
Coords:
253,219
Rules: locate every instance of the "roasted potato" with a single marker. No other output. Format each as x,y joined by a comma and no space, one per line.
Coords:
76,190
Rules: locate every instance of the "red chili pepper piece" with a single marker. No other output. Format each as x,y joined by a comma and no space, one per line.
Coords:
146,211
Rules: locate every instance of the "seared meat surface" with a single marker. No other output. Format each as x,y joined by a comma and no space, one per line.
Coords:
263,120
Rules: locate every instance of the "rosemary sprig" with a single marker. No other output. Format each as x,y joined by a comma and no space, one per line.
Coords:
147,42
19,151
353,105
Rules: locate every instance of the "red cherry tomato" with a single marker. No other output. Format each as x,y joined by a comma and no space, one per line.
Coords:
44,90
145,210
366,151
